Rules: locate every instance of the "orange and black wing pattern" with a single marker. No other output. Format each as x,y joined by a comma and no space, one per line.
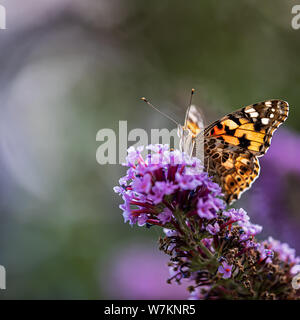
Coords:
233,143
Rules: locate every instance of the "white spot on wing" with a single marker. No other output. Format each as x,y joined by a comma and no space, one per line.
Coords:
254,114
265,121
268,103
250,110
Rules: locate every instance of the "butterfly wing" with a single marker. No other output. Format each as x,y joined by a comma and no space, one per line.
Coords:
251,127
194,120
194,126
232,167
233,143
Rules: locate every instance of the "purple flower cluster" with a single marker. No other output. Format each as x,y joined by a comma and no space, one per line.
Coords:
164,182
284,251
224,223
209,244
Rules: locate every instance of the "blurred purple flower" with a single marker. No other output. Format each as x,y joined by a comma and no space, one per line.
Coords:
277,190
140,272
285,252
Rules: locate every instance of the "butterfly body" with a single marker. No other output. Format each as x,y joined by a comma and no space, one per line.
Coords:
231,146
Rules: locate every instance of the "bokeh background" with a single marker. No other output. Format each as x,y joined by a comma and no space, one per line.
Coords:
69,68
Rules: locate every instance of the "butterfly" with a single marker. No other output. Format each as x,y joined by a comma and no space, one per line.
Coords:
232,145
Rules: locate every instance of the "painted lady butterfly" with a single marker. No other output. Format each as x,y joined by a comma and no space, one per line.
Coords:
233,144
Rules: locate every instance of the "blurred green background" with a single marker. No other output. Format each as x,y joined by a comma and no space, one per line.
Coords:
70,68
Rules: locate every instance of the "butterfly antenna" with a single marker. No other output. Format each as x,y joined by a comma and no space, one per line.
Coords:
155,108
189,107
